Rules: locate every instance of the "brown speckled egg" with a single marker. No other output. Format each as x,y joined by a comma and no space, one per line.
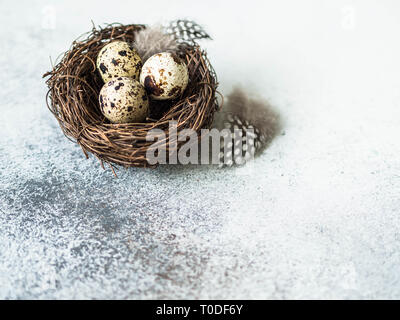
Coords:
124,100
118,59
165,76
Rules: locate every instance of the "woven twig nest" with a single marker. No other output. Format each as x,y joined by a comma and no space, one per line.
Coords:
74,85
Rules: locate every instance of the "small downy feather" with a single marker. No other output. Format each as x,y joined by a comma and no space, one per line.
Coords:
243,113
152,40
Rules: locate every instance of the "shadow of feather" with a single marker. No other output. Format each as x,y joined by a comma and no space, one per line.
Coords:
245,112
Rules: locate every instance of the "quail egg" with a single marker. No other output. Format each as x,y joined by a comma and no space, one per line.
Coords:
165,76
118,59
124,100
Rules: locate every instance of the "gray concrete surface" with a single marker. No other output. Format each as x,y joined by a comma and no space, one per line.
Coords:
316,216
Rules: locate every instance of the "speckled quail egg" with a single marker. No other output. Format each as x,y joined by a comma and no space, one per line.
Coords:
165,76
124,100
118,59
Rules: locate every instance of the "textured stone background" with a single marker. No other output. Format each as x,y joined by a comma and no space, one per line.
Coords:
316,216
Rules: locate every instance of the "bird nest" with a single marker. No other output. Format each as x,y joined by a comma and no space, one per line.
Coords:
74,86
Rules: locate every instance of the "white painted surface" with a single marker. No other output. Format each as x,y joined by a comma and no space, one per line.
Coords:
316,216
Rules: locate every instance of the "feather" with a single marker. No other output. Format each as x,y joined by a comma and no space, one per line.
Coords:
186,31
244,112
152,40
